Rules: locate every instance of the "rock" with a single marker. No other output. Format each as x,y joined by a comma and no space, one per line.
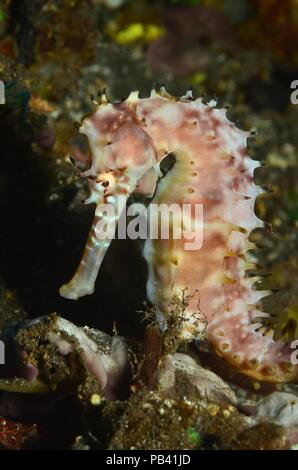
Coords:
280,407
56,355
208,384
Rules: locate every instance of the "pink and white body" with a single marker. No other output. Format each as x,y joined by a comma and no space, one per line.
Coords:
212,168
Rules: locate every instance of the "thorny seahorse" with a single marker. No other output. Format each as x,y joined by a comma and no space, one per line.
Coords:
127,141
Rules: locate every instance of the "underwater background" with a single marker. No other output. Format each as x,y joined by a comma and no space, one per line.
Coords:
55,56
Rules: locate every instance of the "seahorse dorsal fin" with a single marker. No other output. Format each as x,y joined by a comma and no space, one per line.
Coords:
93,100
103,98
212,103
188,95
133,96
163,92
153,93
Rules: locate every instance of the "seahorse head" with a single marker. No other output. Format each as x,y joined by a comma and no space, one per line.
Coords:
120,148
122,153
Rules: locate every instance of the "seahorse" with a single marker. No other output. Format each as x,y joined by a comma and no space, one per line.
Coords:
128,140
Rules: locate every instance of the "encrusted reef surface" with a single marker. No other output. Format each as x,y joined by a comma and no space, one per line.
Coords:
120,383
128,397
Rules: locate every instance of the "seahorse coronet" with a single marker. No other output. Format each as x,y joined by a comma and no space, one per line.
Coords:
213,169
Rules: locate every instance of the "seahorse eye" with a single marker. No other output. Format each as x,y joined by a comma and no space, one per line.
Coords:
107,181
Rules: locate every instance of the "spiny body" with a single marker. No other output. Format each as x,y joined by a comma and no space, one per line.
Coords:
212,167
